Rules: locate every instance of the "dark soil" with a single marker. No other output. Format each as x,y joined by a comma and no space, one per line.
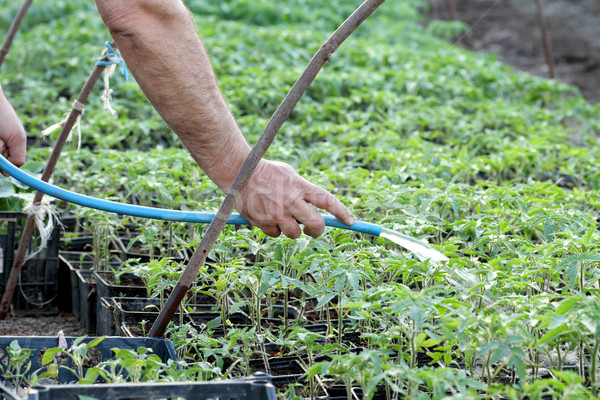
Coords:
43,325
511,29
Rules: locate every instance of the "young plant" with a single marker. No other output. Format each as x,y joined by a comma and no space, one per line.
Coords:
19,364
78,353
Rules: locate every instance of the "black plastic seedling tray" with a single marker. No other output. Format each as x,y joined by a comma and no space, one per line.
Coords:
38,280
258,387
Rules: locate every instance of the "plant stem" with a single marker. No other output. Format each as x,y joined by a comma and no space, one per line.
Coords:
285,309
581,360
281,114
170,243
106,247
96,243
328,319
222,302
488,370
413,349
263,350
581,275
349,387
340,319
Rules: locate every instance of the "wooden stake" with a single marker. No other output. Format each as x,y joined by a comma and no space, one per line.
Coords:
12,31
281,114
545,38
452,10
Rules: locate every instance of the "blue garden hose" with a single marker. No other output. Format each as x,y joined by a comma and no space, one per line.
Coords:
421,249
150,212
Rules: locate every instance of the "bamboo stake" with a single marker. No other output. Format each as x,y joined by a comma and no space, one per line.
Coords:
545,39
258,151
27,233
12,31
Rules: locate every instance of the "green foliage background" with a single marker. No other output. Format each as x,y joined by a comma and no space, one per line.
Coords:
497,168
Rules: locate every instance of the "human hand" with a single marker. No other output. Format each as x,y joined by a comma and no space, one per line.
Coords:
13,141
276,199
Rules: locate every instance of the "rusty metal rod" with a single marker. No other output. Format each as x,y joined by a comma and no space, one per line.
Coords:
258,151
545,39
27,232
12,31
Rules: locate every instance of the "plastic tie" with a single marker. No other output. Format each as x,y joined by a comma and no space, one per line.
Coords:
112,57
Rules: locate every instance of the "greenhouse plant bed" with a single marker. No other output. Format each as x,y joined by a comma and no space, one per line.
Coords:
163,348
257,387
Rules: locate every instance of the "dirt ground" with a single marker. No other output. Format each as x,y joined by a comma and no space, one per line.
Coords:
42,325
511,29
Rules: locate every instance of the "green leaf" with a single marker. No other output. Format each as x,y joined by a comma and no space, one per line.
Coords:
95,342
50,353
486,349
500,353
572,274
6,188
430,343
214,323
15,346
552,334
519,366
340,283
354,279
325,299
91,375
236,306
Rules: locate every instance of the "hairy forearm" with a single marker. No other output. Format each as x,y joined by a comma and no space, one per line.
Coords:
160,45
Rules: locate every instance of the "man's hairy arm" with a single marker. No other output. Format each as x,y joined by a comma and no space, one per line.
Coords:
159,43
12,135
